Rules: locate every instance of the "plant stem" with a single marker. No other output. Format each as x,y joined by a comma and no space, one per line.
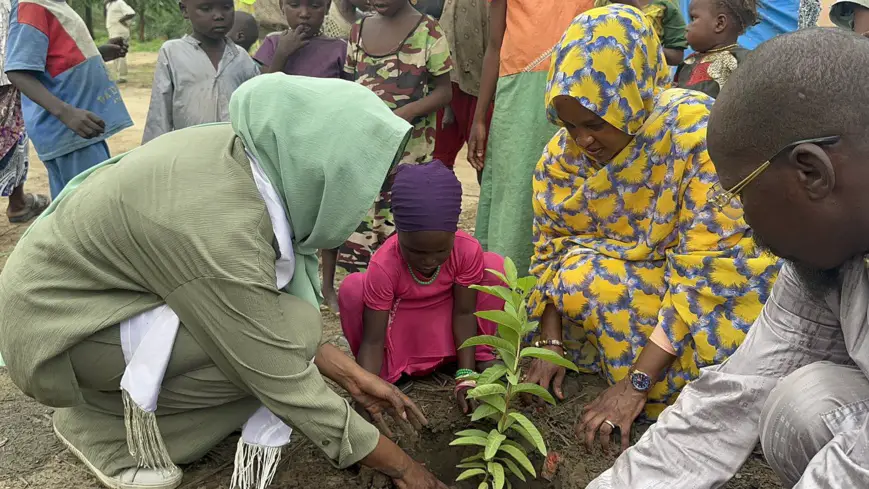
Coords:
507,397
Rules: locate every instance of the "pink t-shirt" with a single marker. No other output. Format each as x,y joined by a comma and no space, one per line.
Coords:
388,277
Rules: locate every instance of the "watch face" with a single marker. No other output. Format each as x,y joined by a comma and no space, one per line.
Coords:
641,381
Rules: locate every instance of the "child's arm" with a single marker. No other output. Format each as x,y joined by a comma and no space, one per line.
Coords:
439,98
27,47
82,122
370,356
288,43
488,83
464,327
159,119
438,63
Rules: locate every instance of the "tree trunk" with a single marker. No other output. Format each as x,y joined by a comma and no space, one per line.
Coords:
141,16
89,19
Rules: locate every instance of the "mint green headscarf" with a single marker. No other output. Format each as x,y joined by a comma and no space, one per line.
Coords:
326,146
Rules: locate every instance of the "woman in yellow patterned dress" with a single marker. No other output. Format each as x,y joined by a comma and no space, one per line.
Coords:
627,248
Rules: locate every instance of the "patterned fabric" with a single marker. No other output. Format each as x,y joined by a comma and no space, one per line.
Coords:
404,76
708,72
625,246
399,78
666,18
13,169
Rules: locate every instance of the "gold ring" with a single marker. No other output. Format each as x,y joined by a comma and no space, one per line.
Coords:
610,423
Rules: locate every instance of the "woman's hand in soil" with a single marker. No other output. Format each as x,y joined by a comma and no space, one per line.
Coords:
418,477
546,375
465,404
619,404
377,397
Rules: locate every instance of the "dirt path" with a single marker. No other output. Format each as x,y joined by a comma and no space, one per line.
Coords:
30,456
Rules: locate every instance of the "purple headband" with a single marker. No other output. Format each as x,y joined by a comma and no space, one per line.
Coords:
426,197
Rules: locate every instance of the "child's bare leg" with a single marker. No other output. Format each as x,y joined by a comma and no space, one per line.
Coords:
330,260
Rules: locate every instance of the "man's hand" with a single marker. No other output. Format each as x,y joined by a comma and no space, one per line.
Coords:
377,397
116,48
619,405
82,122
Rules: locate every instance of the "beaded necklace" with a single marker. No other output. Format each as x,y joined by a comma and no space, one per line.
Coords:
424,282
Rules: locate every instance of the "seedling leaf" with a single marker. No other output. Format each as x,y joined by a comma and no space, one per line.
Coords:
527,284
536,438
512,467
512,276
535,390
491,374
493,341
471,465
496,470
486,390
520,457
465,433
483,485
495,401
549,356
470,473
473,458
495,440
500,292
501,317
469,440
483,411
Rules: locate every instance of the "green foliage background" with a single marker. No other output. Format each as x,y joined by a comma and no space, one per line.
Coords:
156,21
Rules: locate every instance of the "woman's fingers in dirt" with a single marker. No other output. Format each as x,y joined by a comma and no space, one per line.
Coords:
558,383
589,427
413,413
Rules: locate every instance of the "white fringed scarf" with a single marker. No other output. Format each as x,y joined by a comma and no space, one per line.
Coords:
147,340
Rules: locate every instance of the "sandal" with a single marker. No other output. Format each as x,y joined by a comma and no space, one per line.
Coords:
35,205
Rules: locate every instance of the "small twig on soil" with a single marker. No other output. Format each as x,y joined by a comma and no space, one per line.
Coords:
3,442
24,481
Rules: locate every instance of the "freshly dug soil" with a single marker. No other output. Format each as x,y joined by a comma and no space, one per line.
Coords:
31,457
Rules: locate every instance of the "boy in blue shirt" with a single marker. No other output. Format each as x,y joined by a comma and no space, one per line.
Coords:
70,104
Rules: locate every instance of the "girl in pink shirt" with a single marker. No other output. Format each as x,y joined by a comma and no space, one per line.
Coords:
413,307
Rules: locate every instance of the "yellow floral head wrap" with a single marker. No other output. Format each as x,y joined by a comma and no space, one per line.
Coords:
610,60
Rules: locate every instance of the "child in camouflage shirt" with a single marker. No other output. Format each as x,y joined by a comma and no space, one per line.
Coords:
403,56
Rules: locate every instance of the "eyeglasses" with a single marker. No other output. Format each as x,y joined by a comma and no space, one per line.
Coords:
721,198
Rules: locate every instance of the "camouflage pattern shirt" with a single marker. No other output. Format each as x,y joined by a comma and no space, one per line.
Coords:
404,76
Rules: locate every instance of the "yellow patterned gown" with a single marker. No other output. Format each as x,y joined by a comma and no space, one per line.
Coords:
624,246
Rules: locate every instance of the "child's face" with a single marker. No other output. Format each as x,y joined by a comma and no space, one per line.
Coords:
210,18
706,25
387,8
425,251
308,14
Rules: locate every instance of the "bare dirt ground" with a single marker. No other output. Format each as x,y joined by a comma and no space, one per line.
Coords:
30,457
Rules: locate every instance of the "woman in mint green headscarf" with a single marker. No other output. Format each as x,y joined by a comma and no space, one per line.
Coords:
207,223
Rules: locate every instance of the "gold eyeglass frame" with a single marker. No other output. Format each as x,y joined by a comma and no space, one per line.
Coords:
721,198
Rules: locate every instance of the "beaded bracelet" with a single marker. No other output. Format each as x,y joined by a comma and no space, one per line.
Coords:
542,343
464,372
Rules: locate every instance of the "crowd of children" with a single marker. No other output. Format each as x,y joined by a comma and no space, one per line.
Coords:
407,313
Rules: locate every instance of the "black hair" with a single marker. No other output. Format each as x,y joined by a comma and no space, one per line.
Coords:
744,12
806,84
248,25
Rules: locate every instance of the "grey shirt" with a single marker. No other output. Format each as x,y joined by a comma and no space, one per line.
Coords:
188,91
705,437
